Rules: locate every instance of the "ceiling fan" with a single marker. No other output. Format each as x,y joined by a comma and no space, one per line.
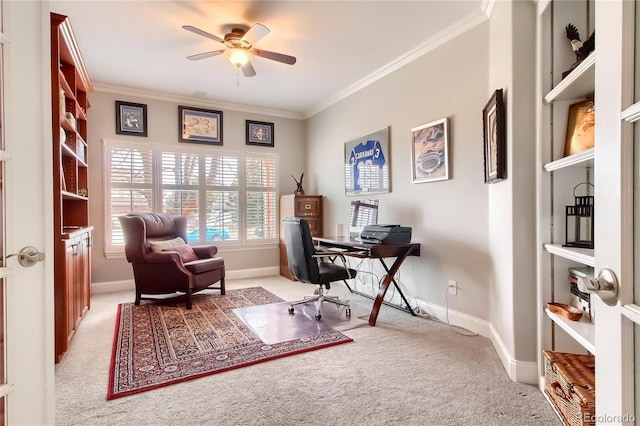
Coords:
239,47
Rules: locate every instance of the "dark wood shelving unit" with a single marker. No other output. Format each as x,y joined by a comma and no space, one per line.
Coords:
70,85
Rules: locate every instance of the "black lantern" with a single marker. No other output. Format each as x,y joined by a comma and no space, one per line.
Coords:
579,221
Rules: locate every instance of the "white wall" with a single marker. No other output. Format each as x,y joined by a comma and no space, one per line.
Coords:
512,201
448,217
162,117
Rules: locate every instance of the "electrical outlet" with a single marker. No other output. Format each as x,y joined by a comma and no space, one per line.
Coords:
453,287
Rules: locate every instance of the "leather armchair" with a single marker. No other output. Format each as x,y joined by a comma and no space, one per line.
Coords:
165,272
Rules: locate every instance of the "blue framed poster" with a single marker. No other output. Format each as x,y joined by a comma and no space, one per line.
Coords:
366,163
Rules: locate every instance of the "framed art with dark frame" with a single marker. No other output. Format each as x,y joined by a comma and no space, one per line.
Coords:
493,121
430,151
131,119
260,133
198,125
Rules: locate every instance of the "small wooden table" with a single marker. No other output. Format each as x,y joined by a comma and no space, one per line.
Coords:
361,249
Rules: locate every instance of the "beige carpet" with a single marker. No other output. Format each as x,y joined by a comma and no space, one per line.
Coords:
404,371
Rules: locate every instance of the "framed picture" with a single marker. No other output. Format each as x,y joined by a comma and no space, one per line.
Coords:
366,163
200,125
259,133
580,126
131,119
494,138
430,151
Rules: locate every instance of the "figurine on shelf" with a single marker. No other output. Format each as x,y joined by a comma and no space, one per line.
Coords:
299,190
580,49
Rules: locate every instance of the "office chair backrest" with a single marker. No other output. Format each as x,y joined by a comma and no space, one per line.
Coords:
300,250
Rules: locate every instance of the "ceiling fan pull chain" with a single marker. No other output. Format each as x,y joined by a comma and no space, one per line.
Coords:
238,76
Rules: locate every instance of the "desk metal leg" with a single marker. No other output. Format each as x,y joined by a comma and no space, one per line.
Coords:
388,279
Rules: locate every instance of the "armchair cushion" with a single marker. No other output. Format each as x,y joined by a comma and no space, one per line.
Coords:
203,265
161,245
185,251
175,244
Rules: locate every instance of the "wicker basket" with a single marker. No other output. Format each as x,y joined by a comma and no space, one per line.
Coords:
569,382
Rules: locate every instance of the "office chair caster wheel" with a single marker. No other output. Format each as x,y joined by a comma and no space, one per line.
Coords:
291,310
348,312
318,317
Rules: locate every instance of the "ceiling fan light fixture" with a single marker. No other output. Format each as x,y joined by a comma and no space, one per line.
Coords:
238,56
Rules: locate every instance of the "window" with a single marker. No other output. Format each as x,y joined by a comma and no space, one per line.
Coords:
228,198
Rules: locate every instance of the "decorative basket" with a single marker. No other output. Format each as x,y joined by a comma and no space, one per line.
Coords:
569,382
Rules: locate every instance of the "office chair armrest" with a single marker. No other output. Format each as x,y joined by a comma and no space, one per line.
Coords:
332,255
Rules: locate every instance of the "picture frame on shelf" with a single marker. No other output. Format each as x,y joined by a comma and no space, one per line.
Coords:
430,151
493,120
131,119
260,133
199,125
580,127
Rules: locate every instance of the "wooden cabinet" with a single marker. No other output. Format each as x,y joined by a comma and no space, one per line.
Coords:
307,207
70,85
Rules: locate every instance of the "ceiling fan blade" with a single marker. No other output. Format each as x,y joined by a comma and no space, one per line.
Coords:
255,33
248,70
205,55
202,33
280,57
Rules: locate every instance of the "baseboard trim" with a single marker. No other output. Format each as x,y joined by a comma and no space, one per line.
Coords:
457,319
518,371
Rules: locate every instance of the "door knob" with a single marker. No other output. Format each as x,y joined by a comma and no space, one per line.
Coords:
28,256
605,286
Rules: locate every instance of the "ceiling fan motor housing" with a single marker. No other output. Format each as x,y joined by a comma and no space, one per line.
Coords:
234,39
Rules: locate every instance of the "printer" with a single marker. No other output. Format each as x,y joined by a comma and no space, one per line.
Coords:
386,234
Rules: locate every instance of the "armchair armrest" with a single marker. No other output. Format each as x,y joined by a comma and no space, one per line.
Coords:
205,252
163,257
166,257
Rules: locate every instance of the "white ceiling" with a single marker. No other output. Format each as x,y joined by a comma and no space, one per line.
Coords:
340,46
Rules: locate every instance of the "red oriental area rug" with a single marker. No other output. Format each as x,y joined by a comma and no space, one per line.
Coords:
158,344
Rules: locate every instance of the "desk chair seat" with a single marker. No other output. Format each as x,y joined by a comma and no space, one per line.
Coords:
311,266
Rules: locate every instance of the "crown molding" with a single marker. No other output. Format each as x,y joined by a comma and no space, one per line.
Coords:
192,101
429,45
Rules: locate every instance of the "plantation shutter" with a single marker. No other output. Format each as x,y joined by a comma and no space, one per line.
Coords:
180,188
222,215
261,198
129,185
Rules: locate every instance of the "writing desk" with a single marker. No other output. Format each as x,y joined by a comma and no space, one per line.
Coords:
350,247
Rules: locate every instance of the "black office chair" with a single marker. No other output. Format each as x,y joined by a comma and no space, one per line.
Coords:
311,266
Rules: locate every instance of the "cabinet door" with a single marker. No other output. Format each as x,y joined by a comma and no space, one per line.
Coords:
315,226
70,278
85,275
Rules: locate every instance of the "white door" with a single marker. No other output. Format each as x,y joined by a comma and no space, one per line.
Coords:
614,211
26,292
